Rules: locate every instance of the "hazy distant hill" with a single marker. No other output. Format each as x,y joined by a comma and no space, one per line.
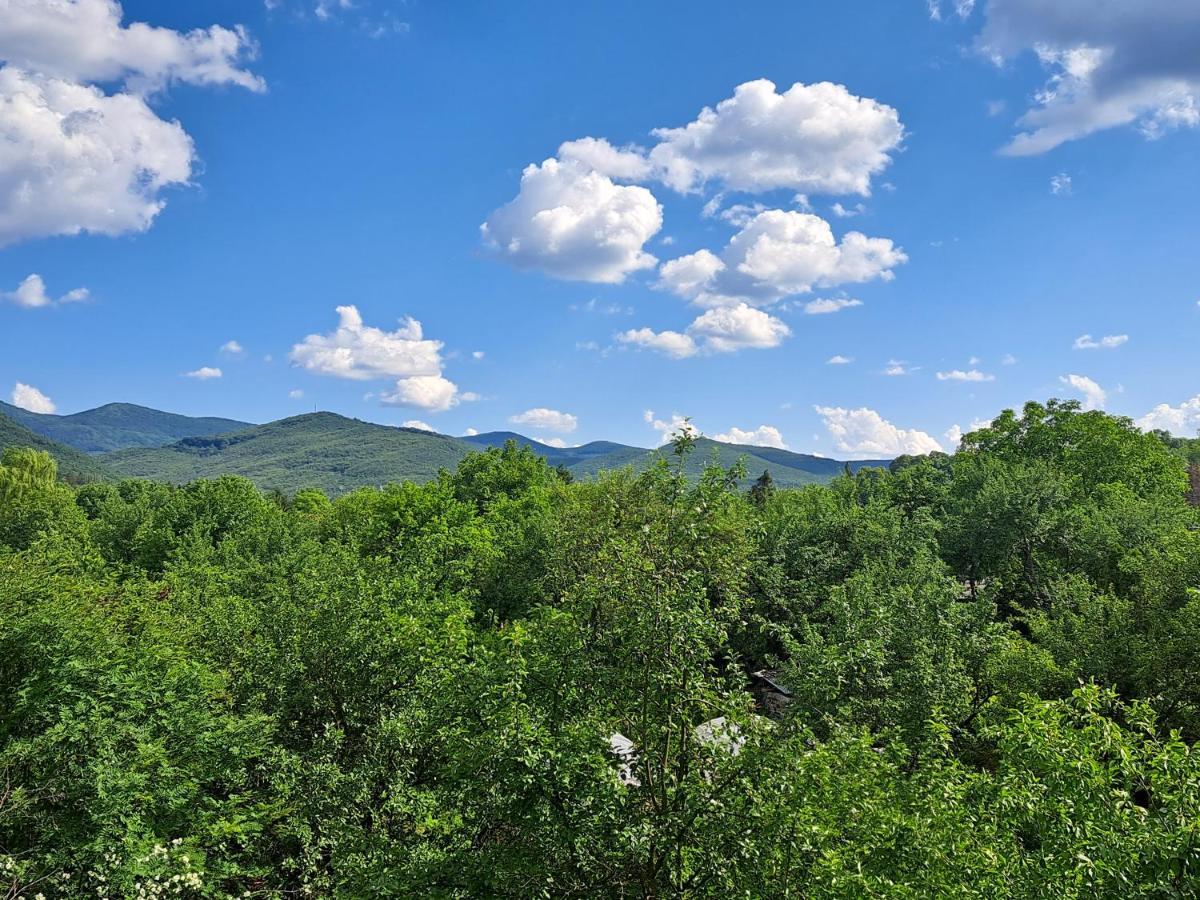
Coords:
72,464
339,454
118,425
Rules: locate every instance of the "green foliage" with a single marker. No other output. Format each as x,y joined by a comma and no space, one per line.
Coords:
967,676
32,501
73,466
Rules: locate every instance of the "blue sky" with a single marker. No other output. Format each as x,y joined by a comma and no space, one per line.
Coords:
242,185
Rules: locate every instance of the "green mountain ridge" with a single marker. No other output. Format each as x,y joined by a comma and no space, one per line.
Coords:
334,452
338,454
321,449
116,426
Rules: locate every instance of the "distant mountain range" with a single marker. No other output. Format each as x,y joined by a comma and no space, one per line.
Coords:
333,452
116,426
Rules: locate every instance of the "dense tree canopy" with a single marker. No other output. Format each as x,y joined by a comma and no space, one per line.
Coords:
974,675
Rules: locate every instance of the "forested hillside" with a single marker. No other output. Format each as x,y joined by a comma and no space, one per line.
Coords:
967,676
338,454
322,450
117,425
72,464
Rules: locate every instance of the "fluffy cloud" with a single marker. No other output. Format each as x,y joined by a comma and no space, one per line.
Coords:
725,329
74,158
969,375
83,40
777,254
554,442
546,420
361,352
597,154
417,424
1182,420
28,397
232,348
670,343
730,328
815,138
573,222
668,428
762,436
839,360
204,373
430,392
1110,64
825,306
1108,342
865,434
31,293
1094,396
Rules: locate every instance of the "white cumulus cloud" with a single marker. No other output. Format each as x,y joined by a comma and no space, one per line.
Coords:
546,420
670,343
28,397
232,348
730,328
839,360
204,373
1182,420
725,329
362,352
1094,396
84,40
597,154
865,434
968,375
75,158
812,138
762,436
668,428
573,222
417,424
31,294
777,254
430,392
